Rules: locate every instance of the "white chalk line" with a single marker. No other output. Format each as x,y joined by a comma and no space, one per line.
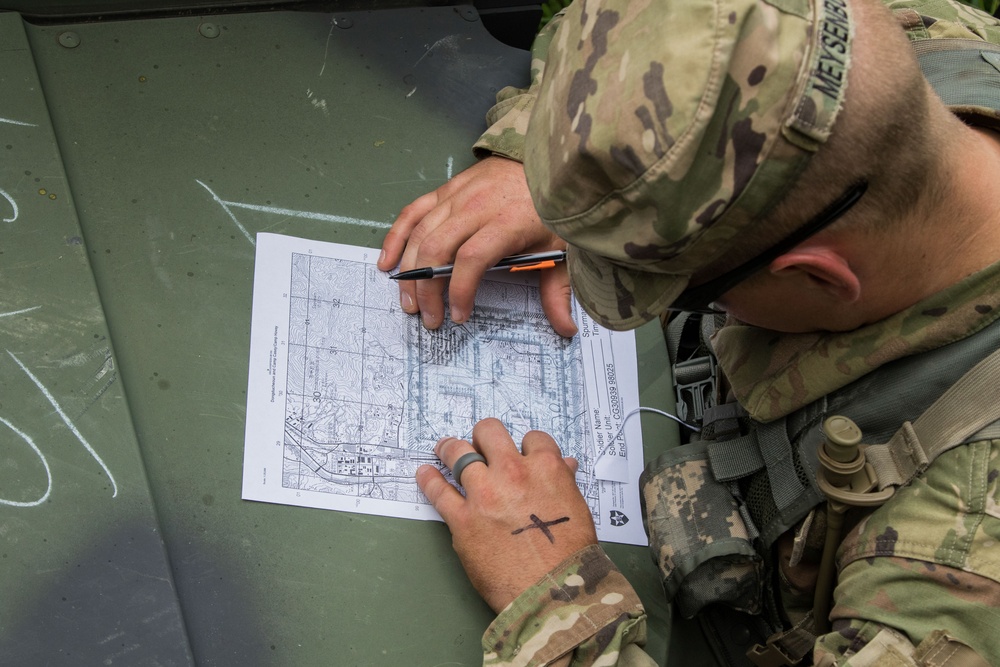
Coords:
11,121
323,217
19,312
13,205
229,213
308,215
48,471
66,420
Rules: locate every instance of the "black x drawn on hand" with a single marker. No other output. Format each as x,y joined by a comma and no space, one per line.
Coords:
542,526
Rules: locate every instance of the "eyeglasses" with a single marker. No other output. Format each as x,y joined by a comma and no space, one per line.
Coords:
699,299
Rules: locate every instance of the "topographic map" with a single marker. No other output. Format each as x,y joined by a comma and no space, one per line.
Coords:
348,394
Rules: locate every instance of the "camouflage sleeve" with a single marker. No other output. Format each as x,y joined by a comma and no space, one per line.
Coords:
508,119
584,612
924,566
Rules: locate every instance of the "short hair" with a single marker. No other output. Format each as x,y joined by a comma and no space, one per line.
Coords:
889,133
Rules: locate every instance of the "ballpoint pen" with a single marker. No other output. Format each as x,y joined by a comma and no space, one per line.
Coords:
529,262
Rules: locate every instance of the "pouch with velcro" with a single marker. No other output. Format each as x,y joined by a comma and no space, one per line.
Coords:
697,534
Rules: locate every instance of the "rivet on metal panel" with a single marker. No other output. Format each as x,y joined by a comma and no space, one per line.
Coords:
468,13
342,22
209,30
69,39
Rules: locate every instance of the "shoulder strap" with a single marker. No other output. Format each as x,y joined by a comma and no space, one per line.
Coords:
969,408
965,409
693,363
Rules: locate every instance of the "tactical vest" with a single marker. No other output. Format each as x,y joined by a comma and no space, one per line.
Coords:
715,506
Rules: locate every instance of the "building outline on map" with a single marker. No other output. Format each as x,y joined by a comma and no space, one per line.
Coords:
351,399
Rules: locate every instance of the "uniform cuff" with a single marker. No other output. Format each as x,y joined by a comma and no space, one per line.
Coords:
585,603
508,124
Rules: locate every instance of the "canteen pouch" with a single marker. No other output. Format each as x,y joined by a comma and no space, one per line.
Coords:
697,533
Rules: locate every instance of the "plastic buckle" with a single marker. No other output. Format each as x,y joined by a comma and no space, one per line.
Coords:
695,380
770,655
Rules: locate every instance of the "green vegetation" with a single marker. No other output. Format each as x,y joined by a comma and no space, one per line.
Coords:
552,7
988,6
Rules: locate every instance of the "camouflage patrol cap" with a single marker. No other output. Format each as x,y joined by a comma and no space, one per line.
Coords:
665,129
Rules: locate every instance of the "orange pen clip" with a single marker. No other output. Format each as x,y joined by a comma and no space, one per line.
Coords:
534,267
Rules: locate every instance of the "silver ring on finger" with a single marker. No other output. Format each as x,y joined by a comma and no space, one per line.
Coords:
463,462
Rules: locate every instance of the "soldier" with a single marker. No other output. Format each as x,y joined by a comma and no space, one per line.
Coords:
786,162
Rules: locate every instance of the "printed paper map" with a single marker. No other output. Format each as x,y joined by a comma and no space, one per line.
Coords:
348,394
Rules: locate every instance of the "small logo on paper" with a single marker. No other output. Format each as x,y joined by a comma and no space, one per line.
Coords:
618,519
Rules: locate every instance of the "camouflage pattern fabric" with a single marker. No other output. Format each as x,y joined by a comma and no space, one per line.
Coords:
889,648
924,559
656,157
729,111
583,613
942,19
702,546
508,118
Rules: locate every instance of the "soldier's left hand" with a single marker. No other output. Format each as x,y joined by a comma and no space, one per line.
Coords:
522,513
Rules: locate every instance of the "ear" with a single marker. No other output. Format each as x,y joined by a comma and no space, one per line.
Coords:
822,267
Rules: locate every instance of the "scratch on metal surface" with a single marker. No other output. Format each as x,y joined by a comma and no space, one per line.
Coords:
326,49
101,352
450,41
317,103
106,366
315,165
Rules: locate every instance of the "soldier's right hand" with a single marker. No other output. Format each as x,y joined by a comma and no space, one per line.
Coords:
483,214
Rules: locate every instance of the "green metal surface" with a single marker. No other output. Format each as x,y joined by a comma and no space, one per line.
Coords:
127,273
79,538
55,10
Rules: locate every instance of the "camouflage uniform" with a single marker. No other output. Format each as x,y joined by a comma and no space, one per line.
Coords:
931,549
